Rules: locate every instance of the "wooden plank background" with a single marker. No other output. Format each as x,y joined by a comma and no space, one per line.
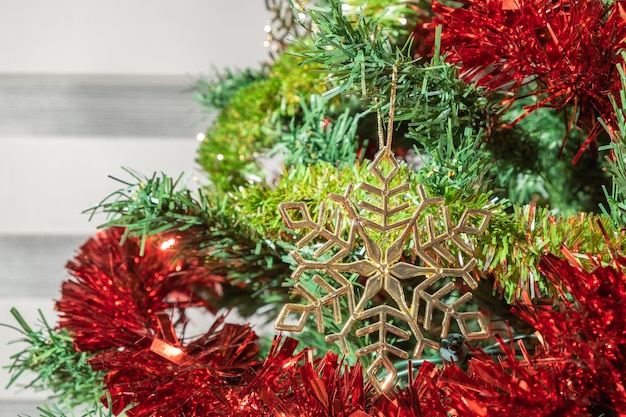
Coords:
85,88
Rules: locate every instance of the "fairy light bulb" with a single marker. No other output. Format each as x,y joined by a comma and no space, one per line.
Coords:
168,244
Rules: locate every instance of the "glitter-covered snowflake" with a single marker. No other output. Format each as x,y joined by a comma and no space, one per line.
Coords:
383,221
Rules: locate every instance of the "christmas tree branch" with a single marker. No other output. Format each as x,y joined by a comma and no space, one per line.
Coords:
58,367
204,229
616,161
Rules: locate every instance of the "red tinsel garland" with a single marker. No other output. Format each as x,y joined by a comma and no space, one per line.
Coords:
577,370
569,47
115,293
588,333
171,379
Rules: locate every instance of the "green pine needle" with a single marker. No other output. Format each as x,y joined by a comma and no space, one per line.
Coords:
616,162
315,137
244,126
56,411
216,94
208,228
50,355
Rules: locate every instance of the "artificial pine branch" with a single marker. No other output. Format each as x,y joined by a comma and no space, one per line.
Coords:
216,94
203,229
397,17
317,137
244,127
616,161
58,367
361,57
242,238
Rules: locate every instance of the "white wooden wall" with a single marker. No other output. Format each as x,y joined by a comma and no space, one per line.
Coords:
61,133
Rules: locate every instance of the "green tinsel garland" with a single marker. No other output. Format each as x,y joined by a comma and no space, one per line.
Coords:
243,128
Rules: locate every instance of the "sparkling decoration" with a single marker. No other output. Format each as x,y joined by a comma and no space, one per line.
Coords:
296,384
286,22
116,292
570,48
578,365
385,223
160,375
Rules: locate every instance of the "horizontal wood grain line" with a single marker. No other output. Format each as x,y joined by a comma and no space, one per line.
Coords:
98,105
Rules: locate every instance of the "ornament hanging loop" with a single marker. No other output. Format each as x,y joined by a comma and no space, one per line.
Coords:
384,141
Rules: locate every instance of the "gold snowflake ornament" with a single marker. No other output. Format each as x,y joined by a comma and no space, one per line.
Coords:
398,298
382,222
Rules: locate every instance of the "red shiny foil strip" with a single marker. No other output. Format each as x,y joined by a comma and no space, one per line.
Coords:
569,49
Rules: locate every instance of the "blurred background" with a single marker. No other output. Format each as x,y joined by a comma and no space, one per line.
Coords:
88,87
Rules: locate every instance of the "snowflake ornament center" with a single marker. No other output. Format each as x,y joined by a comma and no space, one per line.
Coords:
384,224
